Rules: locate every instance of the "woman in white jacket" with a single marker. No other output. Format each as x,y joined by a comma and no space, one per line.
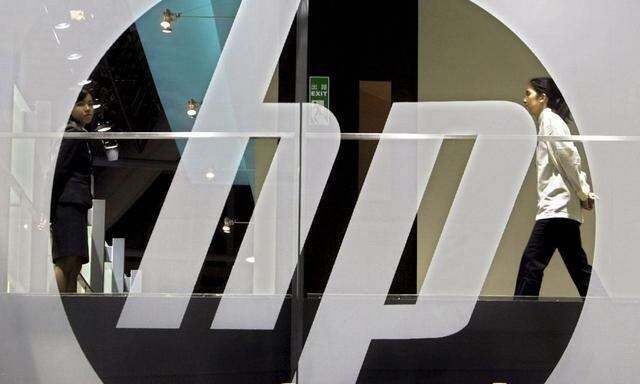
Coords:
563,192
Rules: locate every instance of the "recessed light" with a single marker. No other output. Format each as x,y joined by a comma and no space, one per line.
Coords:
74,57
77,14
168,17
62,26
250,260
192,108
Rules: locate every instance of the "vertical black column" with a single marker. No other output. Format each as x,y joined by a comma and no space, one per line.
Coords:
297,301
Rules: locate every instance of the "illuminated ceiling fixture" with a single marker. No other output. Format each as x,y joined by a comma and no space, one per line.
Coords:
169,17
210,175
74,57
104,126
62,26
77,14
192,108
228,224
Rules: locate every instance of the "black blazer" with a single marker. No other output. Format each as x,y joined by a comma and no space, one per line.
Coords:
72,177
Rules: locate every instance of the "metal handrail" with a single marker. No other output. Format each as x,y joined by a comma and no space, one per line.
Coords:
288,135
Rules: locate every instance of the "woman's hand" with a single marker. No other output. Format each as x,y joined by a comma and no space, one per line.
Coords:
590,202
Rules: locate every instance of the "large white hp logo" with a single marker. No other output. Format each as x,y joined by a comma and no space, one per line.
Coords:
352,312
379,227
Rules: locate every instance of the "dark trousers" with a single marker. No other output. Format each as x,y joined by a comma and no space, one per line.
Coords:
547,236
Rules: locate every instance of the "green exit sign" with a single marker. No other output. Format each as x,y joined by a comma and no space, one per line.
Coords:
319,90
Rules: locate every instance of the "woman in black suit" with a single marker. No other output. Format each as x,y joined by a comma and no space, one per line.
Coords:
71,199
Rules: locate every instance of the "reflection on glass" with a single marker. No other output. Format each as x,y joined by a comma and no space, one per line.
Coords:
72,198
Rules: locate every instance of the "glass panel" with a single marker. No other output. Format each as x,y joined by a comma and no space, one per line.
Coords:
415,254
298,191
172,214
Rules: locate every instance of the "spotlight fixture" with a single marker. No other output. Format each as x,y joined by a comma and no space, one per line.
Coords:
227,224
192,108
169,17
210,175
74,56
103,126
77,14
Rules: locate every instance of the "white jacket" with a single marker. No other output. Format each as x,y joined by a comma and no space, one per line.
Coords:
561,181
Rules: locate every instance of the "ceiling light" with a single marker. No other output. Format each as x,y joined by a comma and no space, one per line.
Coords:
210,175
250,260
62,26
227,224
74,57
168,17
192,108
103,127
77,14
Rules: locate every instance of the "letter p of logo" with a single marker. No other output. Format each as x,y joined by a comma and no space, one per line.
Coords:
353,311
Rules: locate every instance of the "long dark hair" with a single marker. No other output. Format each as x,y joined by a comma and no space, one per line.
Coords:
546,85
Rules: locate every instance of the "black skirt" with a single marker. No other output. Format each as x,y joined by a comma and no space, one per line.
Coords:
69,232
